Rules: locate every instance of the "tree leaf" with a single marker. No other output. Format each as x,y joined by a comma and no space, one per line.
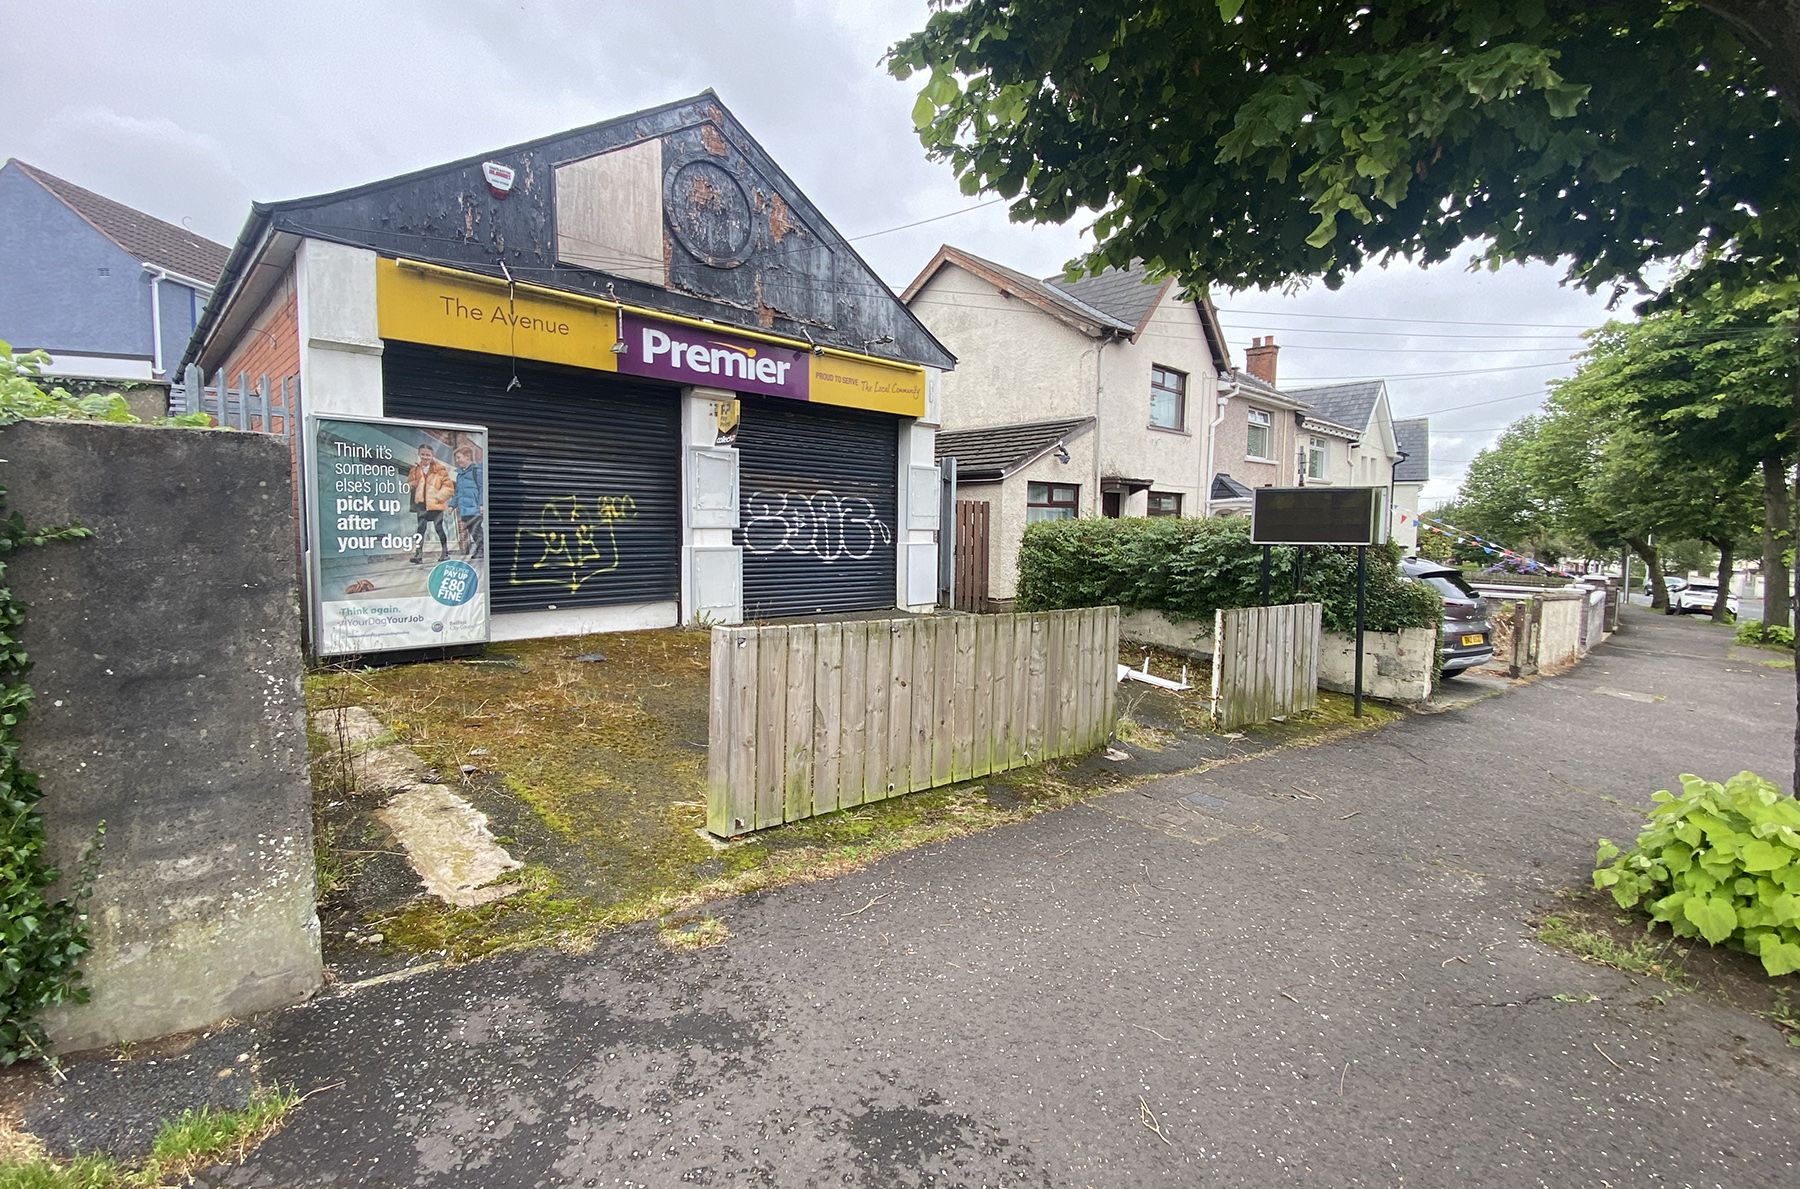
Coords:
1712,915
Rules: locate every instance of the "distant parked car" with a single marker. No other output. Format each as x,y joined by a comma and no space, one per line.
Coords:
1672,585
1699,596
1468,633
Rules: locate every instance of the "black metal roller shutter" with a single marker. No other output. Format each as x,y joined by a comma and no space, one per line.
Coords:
819,507
584,473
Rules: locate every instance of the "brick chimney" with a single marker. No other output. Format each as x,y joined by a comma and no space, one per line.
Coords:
1259,360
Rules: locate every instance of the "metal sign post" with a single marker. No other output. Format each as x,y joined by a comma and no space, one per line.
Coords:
1362,566
1305,516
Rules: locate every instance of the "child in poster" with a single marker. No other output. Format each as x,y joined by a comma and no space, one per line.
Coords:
466,500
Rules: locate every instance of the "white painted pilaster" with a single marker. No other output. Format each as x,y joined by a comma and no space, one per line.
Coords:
340,338
712,565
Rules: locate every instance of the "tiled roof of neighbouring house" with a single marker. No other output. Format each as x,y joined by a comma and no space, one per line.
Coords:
146,237
995,451
1224,487
1042,293
1346,404
1125,294
1414,437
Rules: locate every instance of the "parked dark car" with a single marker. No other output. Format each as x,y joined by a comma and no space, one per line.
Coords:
1468,633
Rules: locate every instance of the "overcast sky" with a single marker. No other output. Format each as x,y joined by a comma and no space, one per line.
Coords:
190,111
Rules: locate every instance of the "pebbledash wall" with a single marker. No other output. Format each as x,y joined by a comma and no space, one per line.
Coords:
702,405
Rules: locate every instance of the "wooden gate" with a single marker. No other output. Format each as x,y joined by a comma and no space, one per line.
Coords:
1265,662
971,555
818,717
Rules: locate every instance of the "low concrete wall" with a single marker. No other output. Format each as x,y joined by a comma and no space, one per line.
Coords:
1561,615
1184,637
168,706
1396,665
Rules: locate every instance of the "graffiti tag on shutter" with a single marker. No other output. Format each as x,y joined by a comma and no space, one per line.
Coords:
818,524
572,542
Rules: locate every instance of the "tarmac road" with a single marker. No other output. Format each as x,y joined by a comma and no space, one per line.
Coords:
1313,968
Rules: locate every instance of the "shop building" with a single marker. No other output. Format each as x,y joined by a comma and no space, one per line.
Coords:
701,404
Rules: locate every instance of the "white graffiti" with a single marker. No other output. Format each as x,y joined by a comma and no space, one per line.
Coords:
819,524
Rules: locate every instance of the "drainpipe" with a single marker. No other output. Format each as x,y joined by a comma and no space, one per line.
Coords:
158,275
1098,500
1393,475
156,359
1227,390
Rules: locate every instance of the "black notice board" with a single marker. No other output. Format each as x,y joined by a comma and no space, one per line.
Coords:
1318,516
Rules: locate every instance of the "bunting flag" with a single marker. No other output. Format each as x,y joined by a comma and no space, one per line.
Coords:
1464,537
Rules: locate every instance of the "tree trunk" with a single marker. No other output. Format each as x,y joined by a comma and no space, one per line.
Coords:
1778,538
1659,590
1721,612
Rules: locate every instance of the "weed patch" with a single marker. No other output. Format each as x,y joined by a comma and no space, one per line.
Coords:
693,934
1642,956
184,1145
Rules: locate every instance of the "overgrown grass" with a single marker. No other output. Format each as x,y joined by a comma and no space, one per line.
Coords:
184,1145
1658,959
593,774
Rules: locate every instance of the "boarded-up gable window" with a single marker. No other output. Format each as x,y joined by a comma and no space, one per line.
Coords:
609,213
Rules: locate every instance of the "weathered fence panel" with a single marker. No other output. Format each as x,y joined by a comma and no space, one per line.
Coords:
810,718
1265,662
971,555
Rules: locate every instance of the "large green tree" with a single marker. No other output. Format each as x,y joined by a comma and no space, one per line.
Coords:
1253,143
1711,380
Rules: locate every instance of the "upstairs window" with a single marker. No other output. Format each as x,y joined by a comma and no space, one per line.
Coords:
1168,399
1259,437
1164,503
1317,460
1051,501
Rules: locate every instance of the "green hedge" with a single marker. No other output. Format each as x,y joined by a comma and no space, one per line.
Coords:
1187,569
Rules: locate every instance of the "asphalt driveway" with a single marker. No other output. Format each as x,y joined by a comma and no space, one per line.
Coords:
1310,968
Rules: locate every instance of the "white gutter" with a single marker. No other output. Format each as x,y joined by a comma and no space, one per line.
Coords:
1226,392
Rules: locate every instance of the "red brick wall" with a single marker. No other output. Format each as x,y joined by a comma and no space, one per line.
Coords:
269,346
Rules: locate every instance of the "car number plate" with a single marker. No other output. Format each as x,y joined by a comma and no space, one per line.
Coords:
1477,638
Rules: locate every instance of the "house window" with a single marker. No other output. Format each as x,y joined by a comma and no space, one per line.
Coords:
1168,398
1259,436
1317,459
1165,503
1051,501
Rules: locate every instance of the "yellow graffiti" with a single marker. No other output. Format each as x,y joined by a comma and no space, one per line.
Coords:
575,539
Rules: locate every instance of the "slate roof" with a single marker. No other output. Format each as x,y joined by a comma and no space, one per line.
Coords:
1224,487
1349,405
1414,437
1126,295
1042,293
994,451
145,237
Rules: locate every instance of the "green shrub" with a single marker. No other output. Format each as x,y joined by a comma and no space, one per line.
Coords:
1765,635
1188,569
1719,861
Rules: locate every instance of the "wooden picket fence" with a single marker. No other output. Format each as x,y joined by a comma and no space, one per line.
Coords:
1265,662
814,718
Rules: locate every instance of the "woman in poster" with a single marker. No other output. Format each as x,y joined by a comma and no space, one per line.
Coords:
431,487
466,500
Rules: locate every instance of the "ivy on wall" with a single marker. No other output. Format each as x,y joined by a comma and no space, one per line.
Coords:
41,939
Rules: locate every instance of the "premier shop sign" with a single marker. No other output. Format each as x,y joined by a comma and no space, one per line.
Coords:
689,355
